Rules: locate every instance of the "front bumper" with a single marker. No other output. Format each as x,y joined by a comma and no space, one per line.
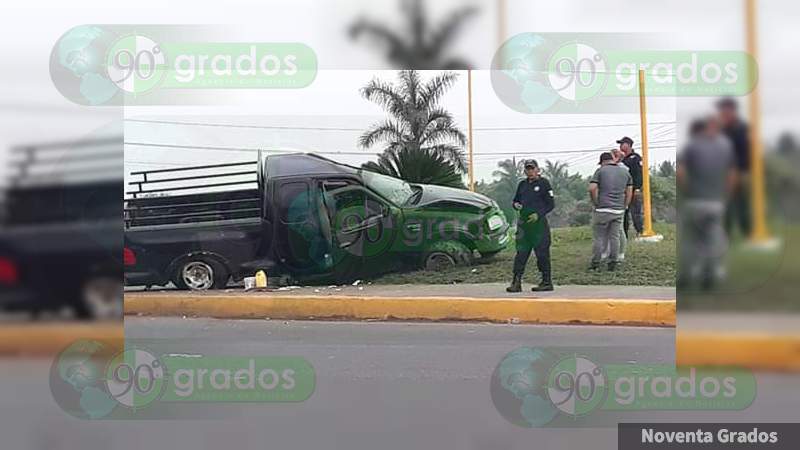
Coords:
494,242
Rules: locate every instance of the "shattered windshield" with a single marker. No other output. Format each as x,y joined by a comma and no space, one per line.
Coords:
395,190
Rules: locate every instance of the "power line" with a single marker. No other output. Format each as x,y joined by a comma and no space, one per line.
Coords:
568,127
240,149
286,127
246,149
224,125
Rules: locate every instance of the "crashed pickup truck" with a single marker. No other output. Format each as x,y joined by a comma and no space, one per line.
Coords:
296,215
60,230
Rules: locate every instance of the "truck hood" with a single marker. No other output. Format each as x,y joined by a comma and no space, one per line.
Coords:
432,194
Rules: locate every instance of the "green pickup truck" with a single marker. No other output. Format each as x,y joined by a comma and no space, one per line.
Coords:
299,215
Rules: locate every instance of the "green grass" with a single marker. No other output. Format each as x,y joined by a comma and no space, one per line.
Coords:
758,280
646,264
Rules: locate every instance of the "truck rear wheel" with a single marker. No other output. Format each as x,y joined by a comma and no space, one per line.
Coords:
100,298
201,274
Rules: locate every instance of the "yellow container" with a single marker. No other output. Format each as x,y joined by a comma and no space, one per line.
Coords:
261,279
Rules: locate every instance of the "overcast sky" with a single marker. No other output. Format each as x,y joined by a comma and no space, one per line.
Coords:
333,102
31,110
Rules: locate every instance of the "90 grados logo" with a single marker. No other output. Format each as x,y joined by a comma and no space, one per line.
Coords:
93,379
536,387
100,65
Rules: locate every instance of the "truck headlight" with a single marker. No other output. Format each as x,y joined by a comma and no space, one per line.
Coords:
496,222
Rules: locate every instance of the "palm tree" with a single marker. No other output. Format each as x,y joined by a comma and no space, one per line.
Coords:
509,173
557,174
424,49
426,166
421,141
666,169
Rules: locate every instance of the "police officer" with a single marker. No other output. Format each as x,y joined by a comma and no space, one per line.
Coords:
634,163
533,200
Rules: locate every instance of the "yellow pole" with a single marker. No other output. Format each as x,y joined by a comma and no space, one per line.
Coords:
469,137
501,22
759,233
648,219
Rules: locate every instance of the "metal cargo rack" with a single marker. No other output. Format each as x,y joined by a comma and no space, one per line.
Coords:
63,181
187,195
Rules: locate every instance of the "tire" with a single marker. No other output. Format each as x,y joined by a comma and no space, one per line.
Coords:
100,297
200,274
446,255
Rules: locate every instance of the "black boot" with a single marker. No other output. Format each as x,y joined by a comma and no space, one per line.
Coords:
516,284
545,285
612,266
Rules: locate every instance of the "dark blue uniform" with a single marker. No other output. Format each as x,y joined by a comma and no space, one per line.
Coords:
535,196
634,212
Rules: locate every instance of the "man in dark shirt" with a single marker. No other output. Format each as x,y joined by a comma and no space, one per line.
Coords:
634,163
738,208
533,200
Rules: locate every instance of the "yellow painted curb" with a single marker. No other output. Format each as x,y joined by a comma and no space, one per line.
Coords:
519,310
757,351
47,339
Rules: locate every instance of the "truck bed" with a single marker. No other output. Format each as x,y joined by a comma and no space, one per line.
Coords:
199,194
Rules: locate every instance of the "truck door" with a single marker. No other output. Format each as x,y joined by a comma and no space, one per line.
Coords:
299,240
362,225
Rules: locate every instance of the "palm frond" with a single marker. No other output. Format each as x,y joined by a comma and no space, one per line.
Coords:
445,134
434,89
388,131
451,153
442,37
395,48
386,95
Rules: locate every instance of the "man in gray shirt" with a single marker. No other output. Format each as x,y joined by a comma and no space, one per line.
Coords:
611,190
706,177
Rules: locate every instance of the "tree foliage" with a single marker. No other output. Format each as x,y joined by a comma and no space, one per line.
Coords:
421,141
573,207
419,46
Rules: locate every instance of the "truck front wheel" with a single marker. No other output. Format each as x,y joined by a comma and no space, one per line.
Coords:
201,274
446,255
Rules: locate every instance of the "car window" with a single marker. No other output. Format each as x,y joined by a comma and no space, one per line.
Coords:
350,204
294,202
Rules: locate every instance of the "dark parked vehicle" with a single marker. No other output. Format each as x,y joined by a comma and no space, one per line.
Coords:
60,235
297,215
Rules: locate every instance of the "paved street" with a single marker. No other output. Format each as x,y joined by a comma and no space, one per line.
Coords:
379,385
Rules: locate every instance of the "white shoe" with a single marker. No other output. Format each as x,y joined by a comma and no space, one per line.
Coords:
621,257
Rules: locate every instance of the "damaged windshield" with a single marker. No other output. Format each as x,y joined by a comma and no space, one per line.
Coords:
397,191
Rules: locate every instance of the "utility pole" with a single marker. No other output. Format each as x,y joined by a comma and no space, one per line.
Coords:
647,232
760,233
471,167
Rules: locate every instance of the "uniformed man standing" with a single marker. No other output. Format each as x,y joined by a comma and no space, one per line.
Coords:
534,200
634,163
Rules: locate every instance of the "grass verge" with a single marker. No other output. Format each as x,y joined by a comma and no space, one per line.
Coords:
646,264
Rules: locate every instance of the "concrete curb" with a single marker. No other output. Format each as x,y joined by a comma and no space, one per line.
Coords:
659,313
757,351
47,339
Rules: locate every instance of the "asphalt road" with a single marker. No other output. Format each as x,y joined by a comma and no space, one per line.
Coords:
378,386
